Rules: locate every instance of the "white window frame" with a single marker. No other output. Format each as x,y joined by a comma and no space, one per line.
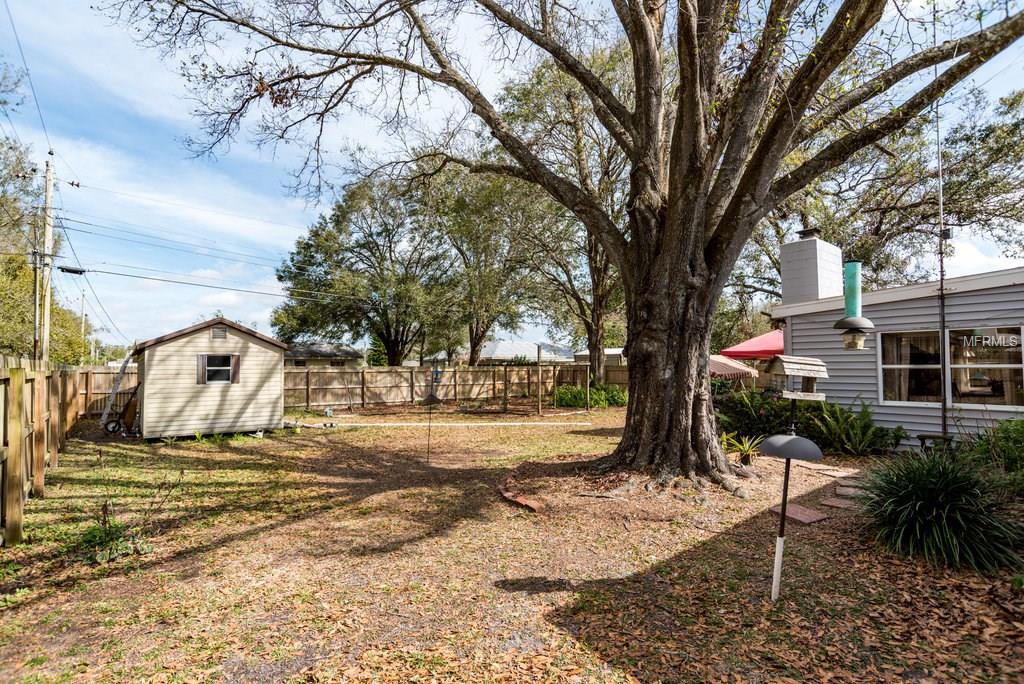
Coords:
209,368
880,369
947,371
950,367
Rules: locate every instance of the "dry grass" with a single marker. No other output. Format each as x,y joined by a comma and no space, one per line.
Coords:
344,555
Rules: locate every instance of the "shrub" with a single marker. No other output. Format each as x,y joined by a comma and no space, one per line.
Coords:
855,433
1001,449
745,447
107,540
832,427
601,396
943,509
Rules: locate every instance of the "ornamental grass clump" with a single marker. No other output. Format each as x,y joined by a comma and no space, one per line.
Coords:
943,509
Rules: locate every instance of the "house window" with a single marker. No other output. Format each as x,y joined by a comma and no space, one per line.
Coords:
987,366
220,332
911,369
218,368
298,363
337,364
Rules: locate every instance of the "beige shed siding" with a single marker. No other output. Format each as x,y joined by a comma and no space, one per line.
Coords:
175,404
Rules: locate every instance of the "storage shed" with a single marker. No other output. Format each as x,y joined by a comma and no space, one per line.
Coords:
213,377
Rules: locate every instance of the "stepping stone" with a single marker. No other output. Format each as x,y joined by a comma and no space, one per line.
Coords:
849,491
850,481
848,504
837,472
800,513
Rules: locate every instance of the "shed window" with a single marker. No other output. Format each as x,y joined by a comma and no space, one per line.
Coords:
217,368
220,332
297,363
910,366
337,364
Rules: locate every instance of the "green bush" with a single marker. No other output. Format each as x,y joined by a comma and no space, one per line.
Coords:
942,508
1001,449
832,427
601,396
107,540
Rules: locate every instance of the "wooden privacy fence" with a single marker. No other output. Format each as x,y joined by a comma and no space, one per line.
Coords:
95,385
38,406
317,388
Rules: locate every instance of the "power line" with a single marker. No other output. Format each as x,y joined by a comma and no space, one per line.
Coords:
215,287
146,198
28,76
171,240
92,289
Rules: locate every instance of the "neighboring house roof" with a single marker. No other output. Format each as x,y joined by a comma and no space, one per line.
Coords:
969,283
507,350
322,350
761,347
141,346
608,351
724,367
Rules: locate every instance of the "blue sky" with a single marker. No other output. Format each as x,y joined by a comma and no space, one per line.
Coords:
117,114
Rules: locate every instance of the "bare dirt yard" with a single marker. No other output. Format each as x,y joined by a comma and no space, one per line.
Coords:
345,555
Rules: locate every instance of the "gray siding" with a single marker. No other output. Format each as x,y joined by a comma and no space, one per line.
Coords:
853,375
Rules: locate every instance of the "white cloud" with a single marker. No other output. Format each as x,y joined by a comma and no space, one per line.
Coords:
978,256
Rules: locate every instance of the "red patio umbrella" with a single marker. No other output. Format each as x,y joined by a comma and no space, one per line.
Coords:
761,347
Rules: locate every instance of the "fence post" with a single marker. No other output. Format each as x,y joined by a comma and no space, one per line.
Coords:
362,387
53,433
307,389
586,383
504,398
38,433
412,386
88,394
14,475
455,384
540,385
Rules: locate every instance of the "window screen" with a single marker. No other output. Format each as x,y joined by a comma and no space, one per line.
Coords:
220,332
218,368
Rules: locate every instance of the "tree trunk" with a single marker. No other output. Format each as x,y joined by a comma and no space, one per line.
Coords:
595,349
670,424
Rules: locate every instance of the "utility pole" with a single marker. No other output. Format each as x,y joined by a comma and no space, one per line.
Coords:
47,261
85,345
35,294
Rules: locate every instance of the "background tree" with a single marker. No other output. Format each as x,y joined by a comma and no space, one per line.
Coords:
365,270
731,109
882,208
480,219
20,195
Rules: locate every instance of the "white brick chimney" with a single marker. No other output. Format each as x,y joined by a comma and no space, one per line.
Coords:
811,269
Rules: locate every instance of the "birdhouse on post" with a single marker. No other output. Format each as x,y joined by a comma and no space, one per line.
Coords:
783,369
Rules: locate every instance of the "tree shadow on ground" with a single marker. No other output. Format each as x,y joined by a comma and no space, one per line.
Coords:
281,481
848,611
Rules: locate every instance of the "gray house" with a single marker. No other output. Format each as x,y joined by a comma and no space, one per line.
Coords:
900,373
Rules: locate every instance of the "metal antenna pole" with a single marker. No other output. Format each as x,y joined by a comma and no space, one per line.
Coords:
943,236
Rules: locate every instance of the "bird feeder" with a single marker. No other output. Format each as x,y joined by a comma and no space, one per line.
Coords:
854,326
785,369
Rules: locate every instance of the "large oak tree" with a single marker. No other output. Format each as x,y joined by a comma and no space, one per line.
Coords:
723,121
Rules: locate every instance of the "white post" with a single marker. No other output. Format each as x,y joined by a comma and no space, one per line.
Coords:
780,542
85,344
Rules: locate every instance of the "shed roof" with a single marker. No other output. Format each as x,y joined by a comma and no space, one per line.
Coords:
322,350
507,350
142,346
